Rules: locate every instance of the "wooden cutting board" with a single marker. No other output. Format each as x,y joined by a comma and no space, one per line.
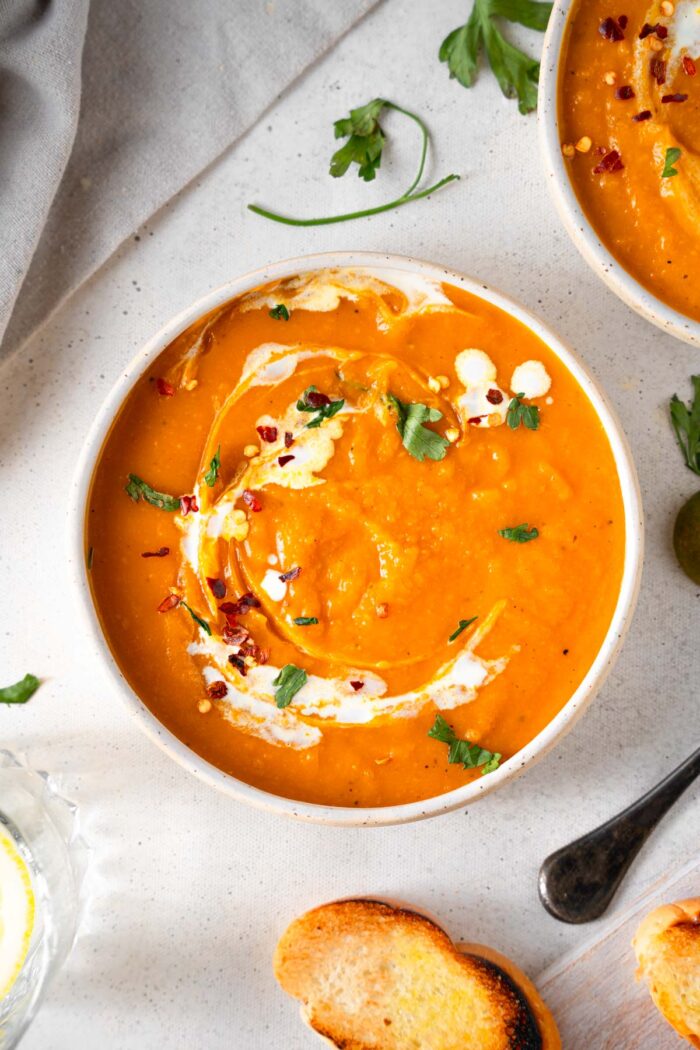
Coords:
594,996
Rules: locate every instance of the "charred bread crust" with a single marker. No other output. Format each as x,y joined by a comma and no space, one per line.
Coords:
523,1029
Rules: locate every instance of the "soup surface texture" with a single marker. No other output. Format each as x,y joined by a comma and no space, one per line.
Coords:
629,118
340,522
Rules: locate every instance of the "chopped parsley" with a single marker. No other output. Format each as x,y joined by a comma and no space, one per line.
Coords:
471,756
279,312
197,619
673,154
416,437
528,415
519,533
214,468
320,404
21,691
305,621
139,489
364,147
686,424
516,72
288,683
463,624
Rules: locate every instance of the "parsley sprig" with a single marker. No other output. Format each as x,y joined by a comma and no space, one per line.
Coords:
516,72
21,691
471,756
364,147
686,424
305,621
673,154
528,415
519,533
139,489
288,683
279,312
418,439
320,404
214,468
463,624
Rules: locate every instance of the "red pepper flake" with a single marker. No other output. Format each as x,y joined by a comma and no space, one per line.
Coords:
164,388
171,602
624,92
475,420
239,663
241,606
251,500
316,399
689,66
382,610
657,68
268,434
660,31
216,586
288,439
250,649
188,503
283,460
676,97
494,397
217,690
235,634
611,29
357,686
622,21
644,115
162,552
291,574
610,163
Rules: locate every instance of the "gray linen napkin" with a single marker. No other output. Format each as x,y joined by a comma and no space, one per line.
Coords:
165,87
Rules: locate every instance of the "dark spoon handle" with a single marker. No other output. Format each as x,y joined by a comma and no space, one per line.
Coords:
578,881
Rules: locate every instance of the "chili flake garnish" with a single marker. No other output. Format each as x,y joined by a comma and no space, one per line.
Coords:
187,504
283,460
624,92
657,68
268,434
357,686
658,30
610,163
160,553
164,388
611,29
644,115
494,397
291,574
216,586
234,634
475,420
254,652
241,606
316,399
251,500
239,663
288,439
676,97
171,602
689,66
217,690
622,21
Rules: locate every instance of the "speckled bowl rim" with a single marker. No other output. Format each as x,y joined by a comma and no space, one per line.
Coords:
576,223
345,815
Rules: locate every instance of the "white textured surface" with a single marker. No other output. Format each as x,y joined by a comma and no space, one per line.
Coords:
192,890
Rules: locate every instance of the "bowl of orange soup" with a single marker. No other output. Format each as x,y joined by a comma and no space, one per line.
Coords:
358,537
619,115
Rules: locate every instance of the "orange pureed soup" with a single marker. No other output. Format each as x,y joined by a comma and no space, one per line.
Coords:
629,119
324,524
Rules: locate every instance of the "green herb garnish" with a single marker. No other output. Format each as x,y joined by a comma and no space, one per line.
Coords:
471,756
288,682
214,468
364,148
279,312
323,411
305,621
463,624
21,691
139,489
416,437
528,415
686,424
197,619
519,533
516,72
673,154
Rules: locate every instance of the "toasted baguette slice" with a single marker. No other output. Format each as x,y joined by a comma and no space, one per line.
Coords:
371,976
667,944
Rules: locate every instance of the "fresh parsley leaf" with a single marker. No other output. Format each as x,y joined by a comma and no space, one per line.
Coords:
197,619
686,424
138,489
322,411
463,624
673,154
365,141
471,756
279,312
305,621
516,72
214,468
519,533
21,691
416,437
289,681
528,415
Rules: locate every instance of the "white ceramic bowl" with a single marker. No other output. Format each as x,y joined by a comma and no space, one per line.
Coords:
575,221
383,265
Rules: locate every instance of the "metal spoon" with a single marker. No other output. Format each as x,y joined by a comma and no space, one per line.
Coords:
578,881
